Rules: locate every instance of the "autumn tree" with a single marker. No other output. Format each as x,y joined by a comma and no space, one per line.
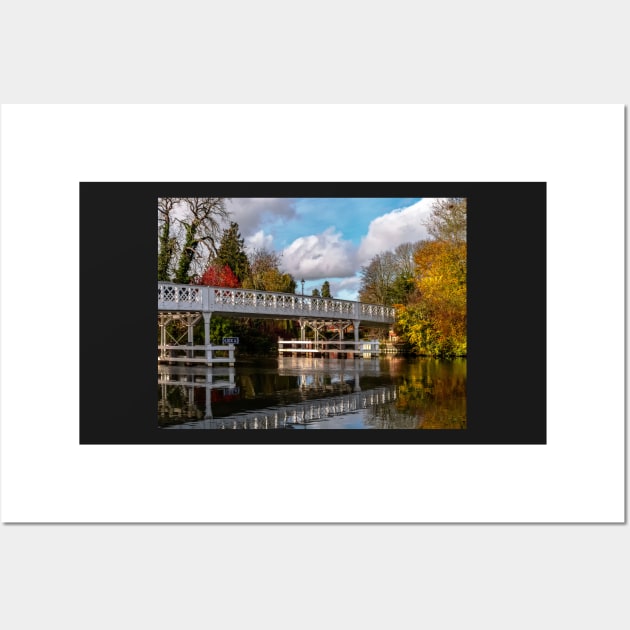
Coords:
219,276
434,320
436,323
265,274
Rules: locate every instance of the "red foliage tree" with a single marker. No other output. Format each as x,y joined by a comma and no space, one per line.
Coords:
219,276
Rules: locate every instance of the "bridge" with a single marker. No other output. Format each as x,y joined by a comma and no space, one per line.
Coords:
190,303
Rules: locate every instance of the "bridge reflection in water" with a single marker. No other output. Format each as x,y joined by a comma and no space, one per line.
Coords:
315,393
298,415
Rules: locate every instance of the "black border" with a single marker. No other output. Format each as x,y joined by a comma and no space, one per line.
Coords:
507,255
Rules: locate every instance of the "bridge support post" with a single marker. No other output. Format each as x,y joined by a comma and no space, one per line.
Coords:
208,410
302,330
163,337
206,334
191,335
355,326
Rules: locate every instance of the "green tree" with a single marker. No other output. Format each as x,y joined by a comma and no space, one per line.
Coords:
403,285
326,290
167,242
231,252
315,293
402,288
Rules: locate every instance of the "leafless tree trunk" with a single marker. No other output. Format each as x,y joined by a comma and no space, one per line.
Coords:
167,242
200,226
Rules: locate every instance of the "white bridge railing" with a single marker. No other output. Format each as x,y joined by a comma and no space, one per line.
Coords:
248,302
323,347
196,354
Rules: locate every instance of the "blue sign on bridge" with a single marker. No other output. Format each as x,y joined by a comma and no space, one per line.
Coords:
230,340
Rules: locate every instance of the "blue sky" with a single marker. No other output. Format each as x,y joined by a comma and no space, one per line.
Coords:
329,239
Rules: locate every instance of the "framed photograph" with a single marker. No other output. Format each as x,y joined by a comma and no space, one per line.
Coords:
314,313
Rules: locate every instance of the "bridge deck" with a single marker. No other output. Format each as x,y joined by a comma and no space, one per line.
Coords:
267,304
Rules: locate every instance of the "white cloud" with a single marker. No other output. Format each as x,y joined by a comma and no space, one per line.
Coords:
259,240
251,212
347,284
323,255
388,231
345,288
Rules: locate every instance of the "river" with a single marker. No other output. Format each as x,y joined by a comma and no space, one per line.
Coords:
287,393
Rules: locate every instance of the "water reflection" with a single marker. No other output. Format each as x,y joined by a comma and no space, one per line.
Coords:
315,393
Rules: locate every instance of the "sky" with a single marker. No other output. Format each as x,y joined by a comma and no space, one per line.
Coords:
322,239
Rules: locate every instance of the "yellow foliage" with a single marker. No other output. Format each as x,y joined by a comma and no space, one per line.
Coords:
436,322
